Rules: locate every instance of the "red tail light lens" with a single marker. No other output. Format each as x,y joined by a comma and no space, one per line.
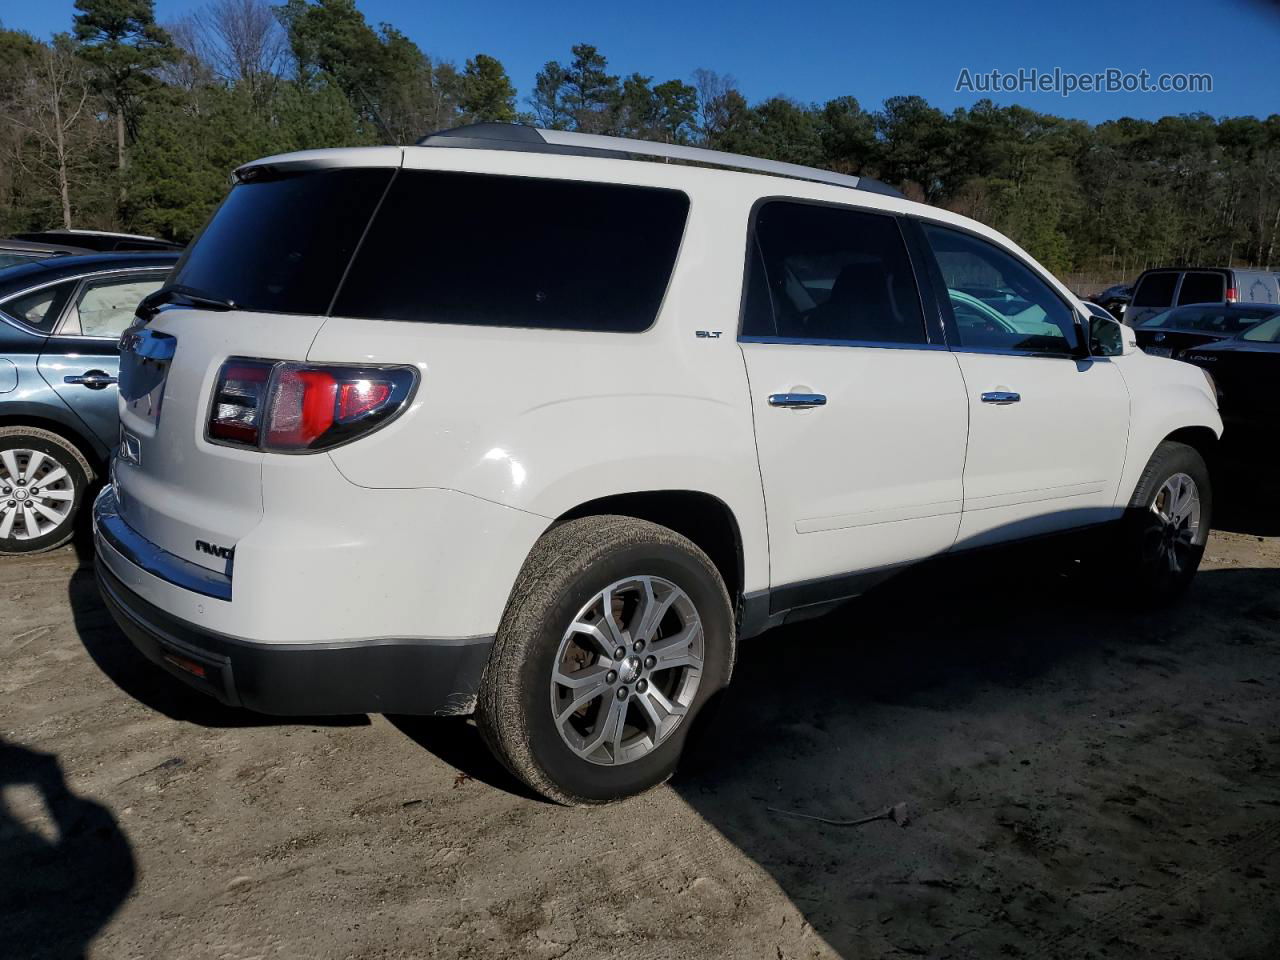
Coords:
295,407
1232,295
301,408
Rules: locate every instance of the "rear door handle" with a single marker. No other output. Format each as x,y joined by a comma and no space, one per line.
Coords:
93,379
801,401
1001,397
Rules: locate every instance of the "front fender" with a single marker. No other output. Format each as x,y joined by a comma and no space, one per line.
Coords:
1165,396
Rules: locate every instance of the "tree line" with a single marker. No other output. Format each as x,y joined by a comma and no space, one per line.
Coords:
124,123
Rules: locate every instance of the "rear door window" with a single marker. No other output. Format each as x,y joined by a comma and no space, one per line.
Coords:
822,273
281,244
1202,288
488,250
1156,289
105,306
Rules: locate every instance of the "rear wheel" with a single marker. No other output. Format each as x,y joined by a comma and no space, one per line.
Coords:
43,479
616,634
1166,527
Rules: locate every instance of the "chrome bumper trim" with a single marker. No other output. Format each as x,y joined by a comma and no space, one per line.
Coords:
110,529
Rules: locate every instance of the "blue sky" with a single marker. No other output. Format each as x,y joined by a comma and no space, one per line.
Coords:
814,51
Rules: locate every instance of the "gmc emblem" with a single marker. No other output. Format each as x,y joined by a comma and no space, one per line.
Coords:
222,553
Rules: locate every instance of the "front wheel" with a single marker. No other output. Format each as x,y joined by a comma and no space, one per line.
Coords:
1166,527
616,634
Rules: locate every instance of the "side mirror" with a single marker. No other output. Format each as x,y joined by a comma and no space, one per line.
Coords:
1107,338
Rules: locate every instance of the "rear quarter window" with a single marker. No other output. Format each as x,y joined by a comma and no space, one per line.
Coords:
280,245
1155,290
487,250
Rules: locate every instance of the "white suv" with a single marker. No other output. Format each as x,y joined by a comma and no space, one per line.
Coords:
510,422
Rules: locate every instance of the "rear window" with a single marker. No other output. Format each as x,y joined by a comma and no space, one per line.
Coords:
485,250
1219,319
280,245
1202,288
1155,290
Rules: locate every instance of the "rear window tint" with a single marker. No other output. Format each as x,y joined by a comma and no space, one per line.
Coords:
1155,290
1202,288
281,245
511,251
1217,319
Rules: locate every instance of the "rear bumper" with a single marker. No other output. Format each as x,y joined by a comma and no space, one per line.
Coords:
413,676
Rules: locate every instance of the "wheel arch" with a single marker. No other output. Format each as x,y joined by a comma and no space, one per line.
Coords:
702,517
1203,439
91,451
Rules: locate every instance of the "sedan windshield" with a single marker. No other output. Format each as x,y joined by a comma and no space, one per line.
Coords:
1226,320
1266,332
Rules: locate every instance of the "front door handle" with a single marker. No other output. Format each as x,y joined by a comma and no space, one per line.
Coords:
801,401
93,379
1001,397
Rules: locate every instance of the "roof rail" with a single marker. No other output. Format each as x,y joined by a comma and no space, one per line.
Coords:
524,138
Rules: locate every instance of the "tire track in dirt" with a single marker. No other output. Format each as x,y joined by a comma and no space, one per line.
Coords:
1257,845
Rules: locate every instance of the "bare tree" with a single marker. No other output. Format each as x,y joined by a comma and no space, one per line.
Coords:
193,67
52,106
713,101
243,42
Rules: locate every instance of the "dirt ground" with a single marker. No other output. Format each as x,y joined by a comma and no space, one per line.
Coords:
1080,783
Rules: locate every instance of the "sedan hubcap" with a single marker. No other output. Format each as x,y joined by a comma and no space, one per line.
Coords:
1176,532
627,670
36,494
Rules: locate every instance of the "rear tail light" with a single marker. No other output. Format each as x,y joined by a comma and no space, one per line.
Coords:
1232,295
296,407
238,401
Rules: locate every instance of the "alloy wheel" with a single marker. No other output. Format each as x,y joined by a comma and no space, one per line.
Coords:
36,494
1175,534
627,670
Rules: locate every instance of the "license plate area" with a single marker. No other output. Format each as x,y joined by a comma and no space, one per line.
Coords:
1158,351
145,356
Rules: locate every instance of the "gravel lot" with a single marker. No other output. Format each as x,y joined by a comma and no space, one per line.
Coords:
1080,783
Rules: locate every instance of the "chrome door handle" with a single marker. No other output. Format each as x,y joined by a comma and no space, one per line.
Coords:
1001,397
93,379
800,401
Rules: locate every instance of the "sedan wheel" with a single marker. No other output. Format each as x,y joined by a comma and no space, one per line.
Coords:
42,483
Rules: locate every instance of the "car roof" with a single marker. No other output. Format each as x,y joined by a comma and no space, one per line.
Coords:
26,275
1204,270
103,240
590,158
38,246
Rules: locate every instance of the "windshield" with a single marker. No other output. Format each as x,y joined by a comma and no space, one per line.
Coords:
1216,319
282,245
1266,332
11,258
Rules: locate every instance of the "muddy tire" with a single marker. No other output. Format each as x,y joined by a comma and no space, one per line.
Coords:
44,480
617,632
1164,531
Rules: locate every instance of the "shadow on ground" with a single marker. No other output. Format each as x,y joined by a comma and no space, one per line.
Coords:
65,865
